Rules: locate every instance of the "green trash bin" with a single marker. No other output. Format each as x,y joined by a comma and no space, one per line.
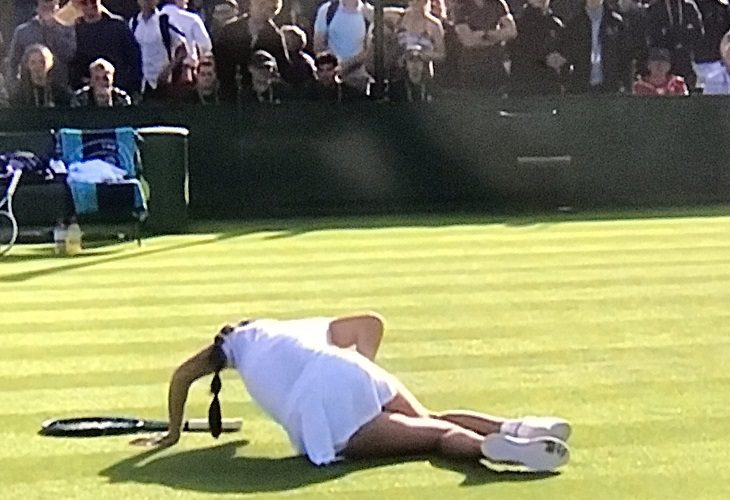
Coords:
164,153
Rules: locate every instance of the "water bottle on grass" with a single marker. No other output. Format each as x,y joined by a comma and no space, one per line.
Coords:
59,238
73,238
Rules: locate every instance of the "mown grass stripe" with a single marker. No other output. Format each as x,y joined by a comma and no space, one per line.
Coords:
398,342
243,260
199,324
655,296
251,291
435,356
555,268
585,377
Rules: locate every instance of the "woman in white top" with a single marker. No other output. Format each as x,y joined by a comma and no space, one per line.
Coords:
316,377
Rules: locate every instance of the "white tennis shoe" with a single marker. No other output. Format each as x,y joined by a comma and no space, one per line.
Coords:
532,427
540,454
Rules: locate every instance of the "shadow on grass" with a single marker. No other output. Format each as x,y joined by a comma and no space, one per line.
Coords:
98,256
217,470
292,227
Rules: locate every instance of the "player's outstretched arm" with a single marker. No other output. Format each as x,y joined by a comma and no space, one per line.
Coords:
183,377
364,332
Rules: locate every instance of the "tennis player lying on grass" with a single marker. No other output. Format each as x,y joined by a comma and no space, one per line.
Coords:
316,377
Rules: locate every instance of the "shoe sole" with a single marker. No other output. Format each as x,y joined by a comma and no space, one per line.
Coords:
540,454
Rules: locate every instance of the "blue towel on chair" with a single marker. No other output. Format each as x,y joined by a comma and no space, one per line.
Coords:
84,195
116,146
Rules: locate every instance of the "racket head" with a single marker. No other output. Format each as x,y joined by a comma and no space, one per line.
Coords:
91,426
8,231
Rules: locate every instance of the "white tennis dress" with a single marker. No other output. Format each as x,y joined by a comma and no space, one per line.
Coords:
321,394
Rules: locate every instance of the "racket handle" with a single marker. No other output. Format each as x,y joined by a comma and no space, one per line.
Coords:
201,424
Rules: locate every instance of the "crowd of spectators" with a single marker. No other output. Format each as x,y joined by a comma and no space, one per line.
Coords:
147,52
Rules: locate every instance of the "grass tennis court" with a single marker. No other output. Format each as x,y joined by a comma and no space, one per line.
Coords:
618,323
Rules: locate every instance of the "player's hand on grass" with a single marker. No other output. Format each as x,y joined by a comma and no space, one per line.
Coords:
159,440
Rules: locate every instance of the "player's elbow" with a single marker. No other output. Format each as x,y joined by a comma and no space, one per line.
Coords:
186,373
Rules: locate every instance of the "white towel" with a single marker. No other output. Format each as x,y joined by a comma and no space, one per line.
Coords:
94,172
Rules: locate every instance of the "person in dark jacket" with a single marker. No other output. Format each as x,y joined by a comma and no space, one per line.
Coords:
239,39
634,13
537,63
302,70
329,87
106,36
676,25
716,21
596,44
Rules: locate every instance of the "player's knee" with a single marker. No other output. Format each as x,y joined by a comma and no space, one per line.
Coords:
376,322
446,437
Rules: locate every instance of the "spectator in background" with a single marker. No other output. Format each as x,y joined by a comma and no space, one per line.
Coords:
206,8
392,52
106,36
43,29
155,36
299,13
239,39
266,85
417,27
190,24
223,12
341,27
676,25
597,48
716,21
329,86
415,84
634,13
302,72
100,92
659,81
437,9
73,10
566,10
537,61
125,8
717,81
206,86
176,83
36,88
482,28
23,10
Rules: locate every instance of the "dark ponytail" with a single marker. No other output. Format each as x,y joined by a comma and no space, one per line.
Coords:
218,360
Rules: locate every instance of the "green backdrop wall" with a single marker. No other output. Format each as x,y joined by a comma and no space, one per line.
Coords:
461,152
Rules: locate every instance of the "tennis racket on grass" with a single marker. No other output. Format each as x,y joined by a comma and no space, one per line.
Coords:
116,426
8,224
